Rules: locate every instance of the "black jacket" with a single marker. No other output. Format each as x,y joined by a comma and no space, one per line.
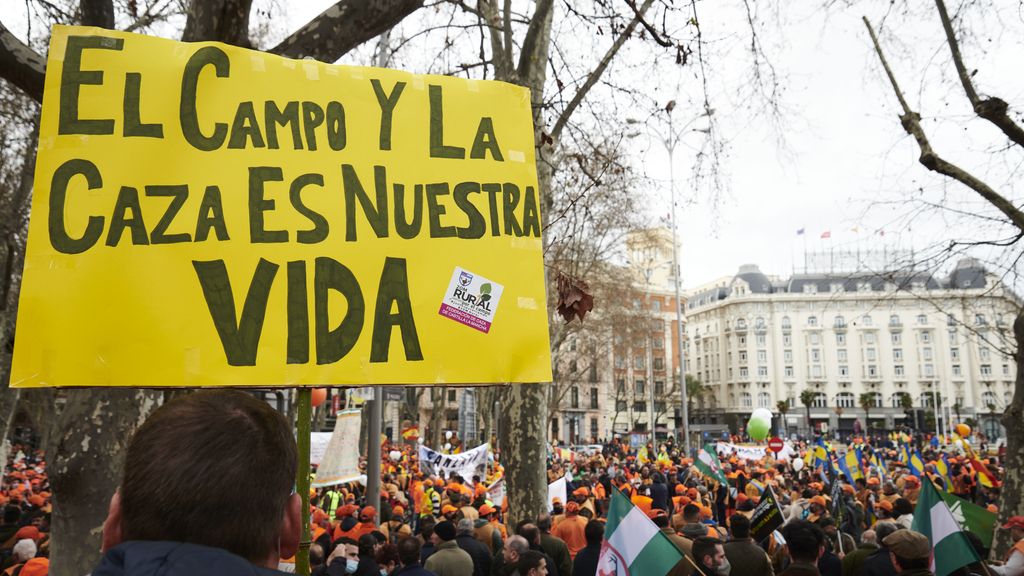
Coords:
477,551
139,558
585,563
659,496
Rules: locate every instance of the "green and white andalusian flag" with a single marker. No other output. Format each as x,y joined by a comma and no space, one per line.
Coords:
633,545
709,465
950,548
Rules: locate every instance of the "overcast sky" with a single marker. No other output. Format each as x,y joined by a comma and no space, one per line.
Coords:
839,150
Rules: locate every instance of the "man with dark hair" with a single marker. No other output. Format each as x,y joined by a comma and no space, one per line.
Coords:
532,563
532,534
409,556
805,543
585,563
207,489
692,526
709,556
744,555
368,546
910,552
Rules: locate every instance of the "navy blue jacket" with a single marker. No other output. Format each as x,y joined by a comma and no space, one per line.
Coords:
140,558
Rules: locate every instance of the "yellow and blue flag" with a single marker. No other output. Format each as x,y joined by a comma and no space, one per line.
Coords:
916,464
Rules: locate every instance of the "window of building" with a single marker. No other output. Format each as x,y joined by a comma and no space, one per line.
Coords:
659,387
844,371
787,340
812,320
762,371
620,362
787,356
593,428
988,400
956,370
894,320
638,387
761,341
845,400
759,322
451,395
986,369
815,355
620,387
814,338
743,373
952,337
898,370
841,339
639,363
926,353
866,320
1006,369
656,305
764,400
745,400
659,343
896,400
762,356
979,319
593,398
922,319
870,354
742,341
573,367
640,406
926,336
869,338
983,353
897,354
816,371
929,370
786,324
620,405
743,355
788,371
950,320
659,363
820,400
954,354
897,338
574,397
872,371
840,322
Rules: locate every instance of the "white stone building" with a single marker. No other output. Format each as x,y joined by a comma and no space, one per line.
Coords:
754,340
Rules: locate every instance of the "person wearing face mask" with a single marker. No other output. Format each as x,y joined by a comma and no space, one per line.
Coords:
344,559
248,452
709,556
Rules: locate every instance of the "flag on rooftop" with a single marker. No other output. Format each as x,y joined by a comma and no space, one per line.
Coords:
632,544
951,550
800,232
826,234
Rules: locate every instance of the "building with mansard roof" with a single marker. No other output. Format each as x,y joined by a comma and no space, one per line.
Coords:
755,340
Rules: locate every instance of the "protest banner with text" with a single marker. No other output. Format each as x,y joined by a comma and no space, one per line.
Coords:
208,215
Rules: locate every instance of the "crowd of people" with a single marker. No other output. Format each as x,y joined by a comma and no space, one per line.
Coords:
847,509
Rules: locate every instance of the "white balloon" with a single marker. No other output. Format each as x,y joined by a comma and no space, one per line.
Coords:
448,435
763,413
447,446
798,464
395,455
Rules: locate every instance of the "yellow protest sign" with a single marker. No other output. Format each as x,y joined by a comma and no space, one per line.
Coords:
206,215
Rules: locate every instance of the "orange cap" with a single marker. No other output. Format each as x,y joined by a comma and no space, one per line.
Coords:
448,509
885,505
486,510
398,510
819,500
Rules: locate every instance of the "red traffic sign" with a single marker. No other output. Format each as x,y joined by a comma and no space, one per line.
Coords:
775,444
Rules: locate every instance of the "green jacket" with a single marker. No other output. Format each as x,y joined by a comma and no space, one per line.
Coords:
450,560
559,552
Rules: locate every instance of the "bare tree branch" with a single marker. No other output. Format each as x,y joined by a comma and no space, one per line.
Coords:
992,109
501,56
97,13
21,65
596,73
531,41
654,33
911,122
221,20
344,26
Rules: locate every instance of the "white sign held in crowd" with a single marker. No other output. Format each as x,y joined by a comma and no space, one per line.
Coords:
466,464
318,446
557,489
496,492
752,452
340,462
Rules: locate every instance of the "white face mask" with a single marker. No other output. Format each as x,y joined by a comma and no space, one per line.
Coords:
723,568
351,566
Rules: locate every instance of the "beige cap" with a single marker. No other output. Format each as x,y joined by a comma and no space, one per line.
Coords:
908,544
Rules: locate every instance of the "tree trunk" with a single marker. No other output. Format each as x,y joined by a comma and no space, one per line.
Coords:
91,438
1010,502
524,442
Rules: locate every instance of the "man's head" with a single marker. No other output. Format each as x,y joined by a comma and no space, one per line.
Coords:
530,532
659,517
908,550
868,537
464,527
246,454
444,531
708,552
544,522
351,548
532,563
883,529
805,542
739,525
1016,527
691,513
514,548
409,551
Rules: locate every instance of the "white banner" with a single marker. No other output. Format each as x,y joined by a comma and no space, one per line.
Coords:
752,452
558,489
467,464
496,493
340,462
318,446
